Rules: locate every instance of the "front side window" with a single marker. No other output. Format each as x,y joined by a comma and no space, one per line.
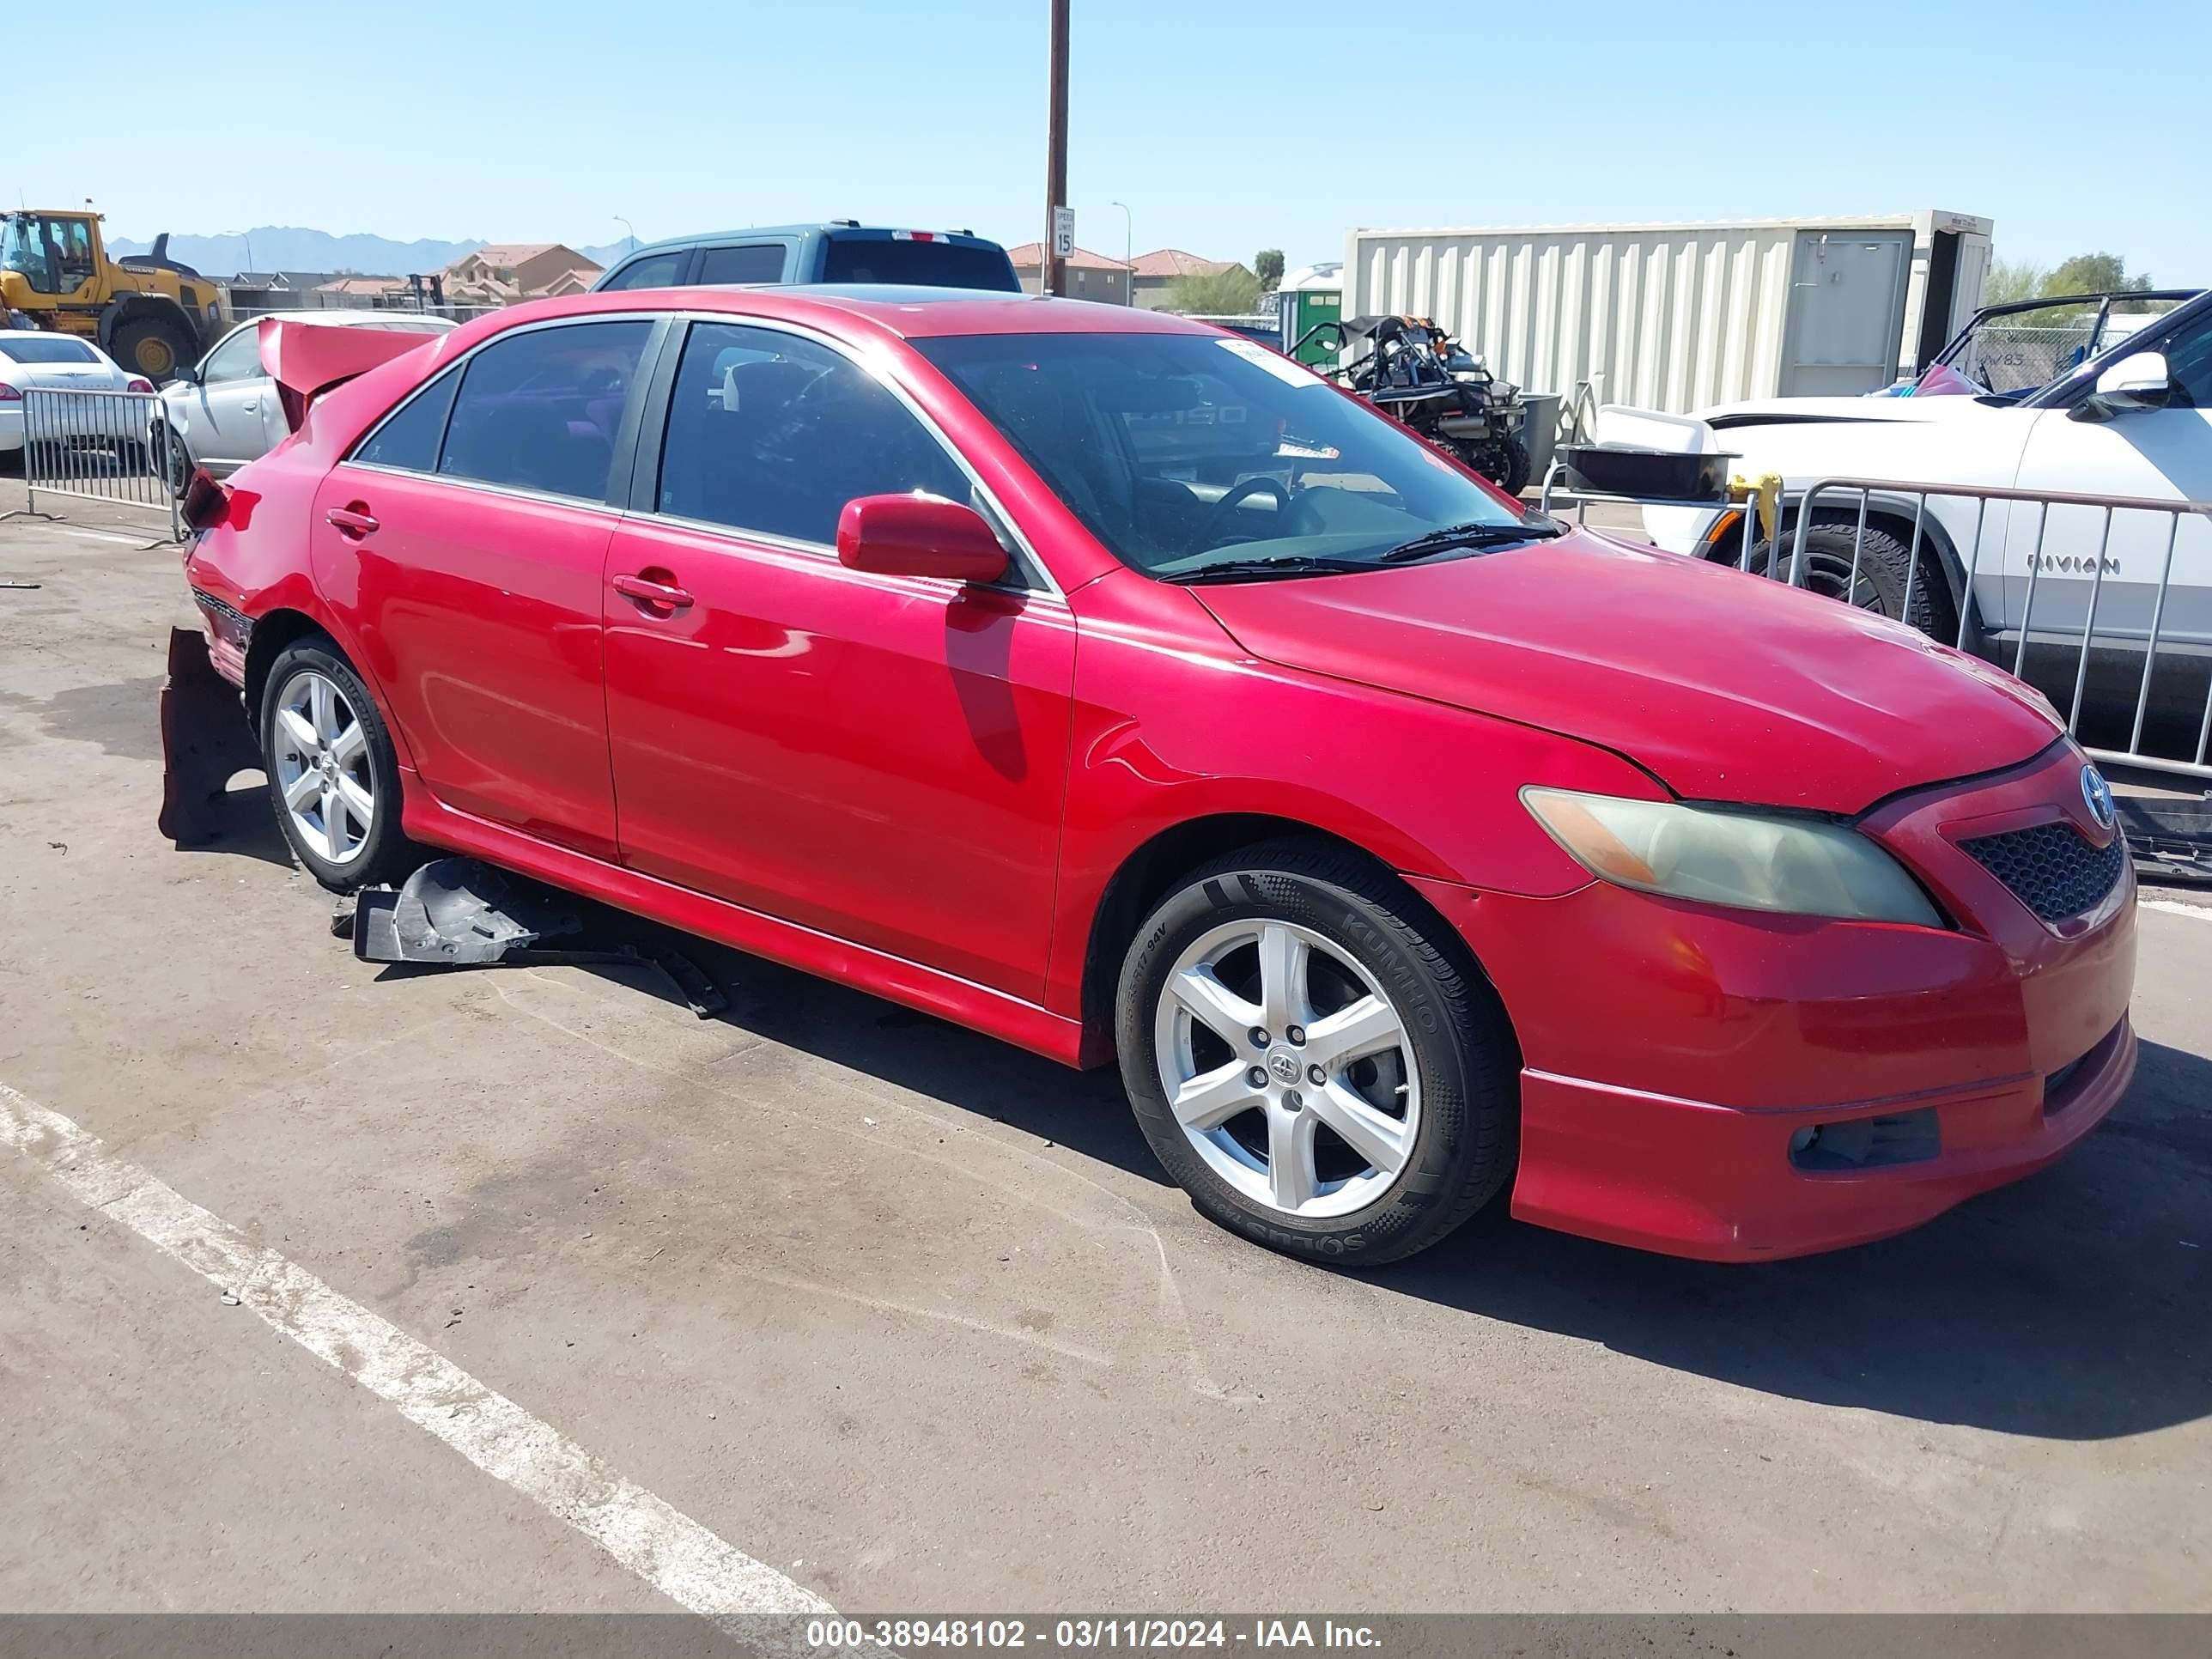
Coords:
1187,453
238,358
742,264
2189,361
774,434
540,409
656,270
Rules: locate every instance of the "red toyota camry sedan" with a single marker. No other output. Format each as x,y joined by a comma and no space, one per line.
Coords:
1112,685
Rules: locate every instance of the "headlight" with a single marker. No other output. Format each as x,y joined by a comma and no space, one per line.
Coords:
1800,865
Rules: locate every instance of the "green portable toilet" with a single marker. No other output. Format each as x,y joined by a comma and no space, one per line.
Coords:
1311,294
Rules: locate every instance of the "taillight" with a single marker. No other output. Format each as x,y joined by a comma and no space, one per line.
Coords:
206,501
139,383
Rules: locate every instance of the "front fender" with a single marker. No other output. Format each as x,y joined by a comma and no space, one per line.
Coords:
1170,726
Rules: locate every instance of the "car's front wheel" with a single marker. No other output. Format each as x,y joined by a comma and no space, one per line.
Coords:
333,775
1310,1061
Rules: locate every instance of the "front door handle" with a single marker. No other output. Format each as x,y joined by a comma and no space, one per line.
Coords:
250,407
647,592
350,521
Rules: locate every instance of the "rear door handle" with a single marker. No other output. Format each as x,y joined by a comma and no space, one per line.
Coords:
647,592
349,522
250,407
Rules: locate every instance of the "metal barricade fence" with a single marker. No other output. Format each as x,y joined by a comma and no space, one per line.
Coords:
2111,643
95,446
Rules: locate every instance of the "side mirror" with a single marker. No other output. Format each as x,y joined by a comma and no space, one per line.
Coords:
2139,380
919,536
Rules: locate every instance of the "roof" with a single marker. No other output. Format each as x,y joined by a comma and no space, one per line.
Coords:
1030,255
1175,262
899,312
763,233
510,253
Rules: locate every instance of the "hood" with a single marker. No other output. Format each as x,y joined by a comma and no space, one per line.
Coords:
1821,412
1724,686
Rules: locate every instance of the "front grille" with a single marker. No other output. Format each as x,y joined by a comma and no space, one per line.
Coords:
2050,869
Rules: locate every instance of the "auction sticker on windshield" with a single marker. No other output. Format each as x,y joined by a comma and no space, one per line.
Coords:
1275,363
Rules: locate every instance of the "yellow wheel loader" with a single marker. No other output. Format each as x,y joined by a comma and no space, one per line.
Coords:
150,313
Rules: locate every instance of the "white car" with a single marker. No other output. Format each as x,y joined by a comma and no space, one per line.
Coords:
223,411
62,362
2135,420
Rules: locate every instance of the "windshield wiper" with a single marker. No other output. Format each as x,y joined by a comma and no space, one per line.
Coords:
1453,537
1295,564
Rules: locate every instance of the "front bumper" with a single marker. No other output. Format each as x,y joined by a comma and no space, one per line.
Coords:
1675,1053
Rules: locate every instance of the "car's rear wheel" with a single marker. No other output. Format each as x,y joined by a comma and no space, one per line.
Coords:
1311,1062
333,775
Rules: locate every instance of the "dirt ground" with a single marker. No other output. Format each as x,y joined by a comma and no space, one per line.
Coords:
911,1318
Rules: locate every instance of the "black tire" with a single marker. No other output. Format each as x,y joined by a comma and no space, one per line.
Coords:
1462,1148
1883,563
173,460
1515,466
383,854
156,347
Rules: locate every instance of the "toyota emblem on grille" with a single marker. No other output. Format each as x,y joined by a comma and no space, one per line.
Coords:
2097,794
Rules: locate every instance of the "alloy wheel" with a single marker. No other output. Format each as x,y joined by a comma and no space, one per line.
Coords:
322,763
1288,1067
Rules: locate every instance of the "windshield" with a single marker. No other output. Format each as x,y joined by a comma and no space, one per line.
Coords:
26,348
2018,351
1182,451
916,264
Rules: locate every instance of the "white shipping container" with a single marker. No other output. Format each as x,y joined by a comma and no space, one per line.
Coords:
1681,317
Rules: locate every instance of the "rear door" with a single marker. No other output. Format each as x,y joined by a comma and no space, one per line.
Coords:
882,758
467,534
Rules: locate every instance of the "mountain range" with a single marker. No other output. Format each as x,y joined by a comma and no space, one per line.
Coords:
285,247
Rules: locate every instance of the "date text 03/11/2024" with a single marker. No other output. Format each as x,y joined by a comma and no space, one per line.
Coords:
1086,1634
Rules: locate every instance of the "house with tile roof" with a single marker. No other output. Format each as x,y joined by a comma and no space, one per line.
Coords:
1153,276
1089,275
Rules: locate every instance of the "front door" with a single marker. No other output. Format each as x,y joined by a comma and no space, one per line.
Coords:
880,758
2165,454
467,538
222,424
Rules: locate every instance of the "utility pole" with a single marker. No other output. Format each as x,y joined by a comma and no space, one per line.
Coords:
1056,164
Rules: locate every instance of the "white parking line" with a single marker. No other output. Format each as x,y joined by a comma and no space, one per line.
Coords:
667,1548
102,535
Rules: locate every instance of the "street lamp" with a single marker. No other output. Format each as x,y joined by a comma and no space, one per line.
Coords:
624,223
1128,244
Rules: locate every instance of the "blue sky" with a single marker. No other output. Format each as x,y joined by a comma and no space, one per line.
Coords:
1225,128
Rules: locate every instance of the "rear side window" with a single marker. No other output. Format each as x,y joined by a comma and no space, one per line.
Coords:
657,270
742,264
409,439
540,409
917,264
774,434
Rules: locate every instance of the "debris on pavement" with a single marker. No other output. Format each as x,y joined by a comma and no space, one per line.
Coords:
463,913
